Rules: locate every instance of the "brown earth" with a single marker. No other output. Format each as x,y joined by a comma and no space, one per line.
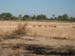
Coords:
44,29
43,39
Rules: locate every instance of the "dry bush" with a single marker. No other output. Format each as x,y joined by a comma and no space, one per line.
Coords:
45,26
39,25
73,26
34,25
21,29
54,26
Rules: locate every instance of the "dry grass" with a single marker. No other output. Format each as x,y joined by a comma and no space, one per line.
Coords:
21,29
54,40
44,29
73,26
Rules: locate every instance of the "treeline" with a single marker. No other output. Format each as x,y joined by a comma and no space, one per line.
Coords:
9,16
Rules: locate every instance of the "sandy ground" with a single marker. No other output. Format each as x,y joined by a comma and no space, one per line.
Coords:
44,39
33,46
44,29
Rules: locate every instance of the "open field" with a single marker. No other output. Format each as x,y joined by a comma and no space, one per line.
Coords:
45,29
41,39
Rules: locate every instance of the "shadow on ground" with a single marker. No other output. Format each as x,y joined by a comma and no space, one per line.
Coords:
48,50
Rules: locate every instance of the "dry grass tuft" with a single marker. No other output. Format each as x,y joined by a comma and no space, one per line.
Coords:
21,29
73,26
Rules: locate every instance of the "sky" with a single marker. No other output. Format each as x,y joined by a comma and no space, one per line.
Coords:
31,7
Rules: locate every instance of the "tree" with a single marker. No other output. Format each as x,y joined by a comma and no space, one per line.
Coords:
41,16
33,17
53,16
14,18
65,17
59,18
26,17
72,19
6,16
20,17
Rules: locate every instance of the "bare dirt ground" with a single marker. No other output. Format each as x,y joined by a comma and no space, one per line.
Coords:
42,39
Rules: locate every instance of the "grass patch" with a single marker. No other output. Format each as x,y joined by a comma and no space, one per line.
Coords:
21,29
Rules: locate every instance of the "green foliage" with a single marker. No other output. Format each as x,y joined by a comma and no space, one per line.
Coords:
33,17
5,16
59,18
9,16
41,16
25,17
20,17
65,17
53,16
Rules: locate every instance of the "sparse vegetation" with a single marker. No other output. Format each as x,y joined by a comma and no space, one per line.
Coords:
21,29
37,27
9,16
44,38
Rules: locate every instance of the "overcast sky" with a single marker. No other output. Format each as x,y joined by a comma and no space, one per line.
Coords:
31,7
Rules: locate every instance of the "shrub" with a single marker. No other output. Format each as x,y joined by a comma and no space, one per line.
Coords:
21,29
